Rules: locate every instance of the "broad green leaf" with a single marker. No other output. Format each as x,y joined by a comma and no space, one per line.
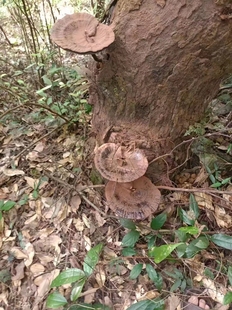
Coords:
193,205
227,298
176,285
8,205
185,217
181,235
183,285
56,300
127,223
162,252
216,185
1,204
128,251
222,240
46,80
136,270
158,221
151,241
229,274
226,181
77,288
154,276
201,242
181,249
68,276
131,238
92,258
0,216
148,305
192,230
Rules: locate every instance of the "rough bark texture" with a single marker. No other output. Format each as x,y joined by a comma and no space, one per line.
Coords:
162,70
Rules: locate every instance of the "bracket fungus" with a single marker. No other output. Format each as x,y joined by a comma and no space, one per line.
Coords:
133,200
81,33
117,163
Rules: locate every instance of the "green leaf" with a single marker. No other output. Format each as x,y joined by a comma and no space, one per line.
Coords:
222,240
216,185
46,80
196,246
92,258
176,285
131,238
226,181
136,270
185,217
0,215
127,223
181,235
193,205
56,300
162,252
158,221
154,276
68,276
227,298
8,205
128,251
1,204
77,289
229,274
181,249
192,230
209,273
5,275
155,304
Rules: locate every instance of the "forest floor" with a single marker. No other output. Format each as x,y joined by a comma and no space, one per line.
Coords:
53,212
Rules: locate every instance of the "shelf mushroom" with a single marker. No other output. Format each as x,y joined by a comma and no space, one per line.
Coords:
134,200
117,163
81,33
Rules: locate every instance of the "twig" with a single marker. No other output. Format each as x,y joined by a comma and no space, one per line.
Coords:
194,190
77,191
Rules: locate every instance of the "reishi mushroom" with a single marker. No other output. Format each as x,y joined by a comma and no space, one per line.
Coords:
117,163
81,33
133,200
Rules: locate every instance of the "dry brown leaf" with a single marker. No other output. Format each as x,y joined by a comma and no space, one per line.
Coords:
172,302
3,298
44,286
86,220
29,249
100,276
19,272
19,253
100,220
45,259
79,225
37,269
75,202
13,172
89,295
216,293
223,219
87,243
204,200
31,219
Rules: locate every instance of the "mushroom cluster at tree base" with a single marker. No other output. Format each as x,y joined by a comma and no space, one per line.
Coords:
128,193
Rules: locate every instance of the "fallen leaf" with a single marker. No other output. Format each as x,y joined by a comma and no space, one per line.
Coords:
19,272
172,302
13,172
222,217
100,276
37,269
75,202
18,253
204,200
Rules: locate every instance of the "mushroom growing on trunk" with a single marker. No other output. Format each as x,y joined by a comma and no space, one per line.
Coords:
82,33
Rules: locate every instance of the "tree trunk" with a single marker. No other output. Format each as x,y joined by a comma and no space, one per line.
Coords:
161,72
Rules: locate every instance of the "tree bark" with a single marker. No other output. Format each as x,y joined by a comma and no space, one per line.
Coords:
161,72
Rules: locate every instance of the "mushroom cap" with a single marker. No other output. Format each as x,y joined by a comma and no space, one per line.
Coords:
81,33
133,200
117,163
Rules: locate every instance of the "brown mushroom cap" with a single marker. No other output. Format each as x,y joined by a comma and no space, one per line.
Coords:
133,200
117,163
81,33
